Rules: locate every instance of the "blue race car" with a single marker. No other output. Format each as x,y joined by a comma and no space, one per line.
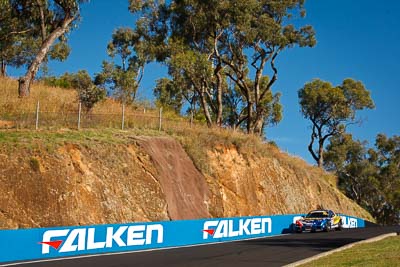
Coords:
319,220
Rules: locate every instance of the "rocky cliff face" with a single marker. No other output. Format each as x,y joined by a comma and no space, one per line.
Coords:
150,179
267,185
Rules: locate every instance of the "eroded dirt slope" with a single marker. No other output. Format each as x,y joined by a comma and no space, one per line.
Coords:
186,190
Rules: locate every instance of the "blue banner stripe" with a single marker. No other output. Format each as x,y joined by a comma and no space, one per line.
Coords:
43,243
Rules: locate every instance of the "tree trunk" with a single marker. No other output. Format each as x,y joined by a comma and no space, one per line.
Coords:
219,97
3,72
321,154
205,109
259,125
249,117
25,82
311,144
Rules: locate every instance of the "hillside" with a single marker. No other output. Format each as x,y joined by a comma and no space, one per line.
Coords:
67,177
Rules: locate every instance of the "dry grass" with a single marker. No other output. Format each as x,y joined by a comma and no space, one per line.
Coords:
52,99
59,109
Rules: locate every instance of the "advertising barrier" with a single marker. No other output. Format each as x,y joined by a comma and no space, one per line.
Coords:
44,243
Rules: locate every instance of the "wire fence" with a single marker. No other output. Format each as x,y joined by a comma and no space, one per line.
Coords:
78,119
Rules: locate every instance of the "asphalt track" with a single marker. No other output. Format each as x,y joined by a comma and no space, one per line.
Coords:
271,251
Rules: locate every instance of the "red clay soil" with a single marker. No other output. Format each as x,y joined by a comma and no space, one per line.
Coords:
185,188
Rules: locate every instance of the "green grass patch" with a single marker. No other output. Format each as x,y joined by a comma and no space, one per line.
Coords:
53,139
385,252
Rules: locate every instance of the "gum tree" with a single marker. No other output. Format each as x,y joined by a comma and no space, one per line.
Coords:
259,32
48,23
330,109
369,176
124,78
239,39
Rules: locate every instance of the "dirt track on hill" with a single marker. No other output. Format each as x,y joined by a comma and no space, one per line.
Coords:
185,188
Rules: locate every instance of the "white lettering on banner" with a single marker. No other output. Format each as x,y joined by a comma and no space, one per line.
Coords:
295,218
47,238
135,235
91,244
348,222
69,246
116,237
85,238
227,228
243,226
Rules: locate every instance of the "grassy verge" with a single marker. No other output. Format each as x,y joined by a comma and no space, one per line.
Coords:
385,252
51,139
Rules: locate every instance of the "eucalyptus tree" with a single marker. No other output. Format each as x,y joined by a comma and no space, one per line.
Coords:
124,78
201,26
330,109
16,44
185,30
238,38
369,176
88,93
259,32
168,95
48,22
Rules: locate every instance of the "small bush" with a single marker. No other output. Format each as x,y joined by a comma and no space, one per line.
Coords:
35,164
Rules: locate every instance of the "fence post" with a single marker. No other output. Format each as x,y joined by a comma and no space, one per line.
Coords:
79,115
37,116
123,117
160,122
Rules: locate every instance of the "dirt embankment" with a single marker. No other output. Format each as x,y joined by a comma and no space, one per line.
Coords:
267,185
186,191
149,179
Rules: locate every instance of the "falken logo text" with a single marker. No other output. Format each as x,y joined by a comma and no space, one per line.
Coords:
230,228
87,238
349,222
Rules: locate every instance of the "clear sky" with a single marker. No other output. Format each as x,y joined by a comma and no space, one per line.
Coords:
357,39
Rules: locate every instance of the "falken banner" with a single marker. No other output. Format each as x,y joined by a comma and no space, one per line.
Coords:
44,243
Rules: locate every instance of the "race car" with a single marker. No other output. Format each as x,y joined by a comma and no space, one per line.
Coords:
318,220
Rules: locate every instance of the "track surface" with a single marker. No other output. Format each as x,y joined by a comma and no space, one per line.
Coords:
271,251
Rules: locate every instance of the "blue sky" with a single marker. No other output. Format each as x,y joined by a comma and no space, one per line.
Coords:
357,39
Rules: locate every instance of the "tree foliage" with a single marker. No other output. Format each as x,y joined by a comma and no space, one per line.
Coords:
35,32
124,79
16,46
168,95
371,177
330,109
88,93
221,40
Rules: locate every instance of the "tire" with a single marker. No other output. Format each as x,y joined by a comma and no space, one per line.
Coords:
327,227
340,226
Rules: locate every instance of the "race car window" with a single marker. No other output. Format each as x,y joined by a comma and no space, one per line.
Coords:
317,214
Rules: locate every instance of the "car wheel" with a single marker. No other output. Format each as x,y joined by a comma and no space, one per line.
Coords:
340,226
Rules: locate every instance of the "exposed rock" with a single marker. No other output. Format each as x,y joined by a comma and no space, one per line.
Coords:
151,179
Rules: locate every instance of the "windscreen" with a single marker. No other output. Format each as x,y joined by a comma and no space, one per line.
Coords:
317,214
